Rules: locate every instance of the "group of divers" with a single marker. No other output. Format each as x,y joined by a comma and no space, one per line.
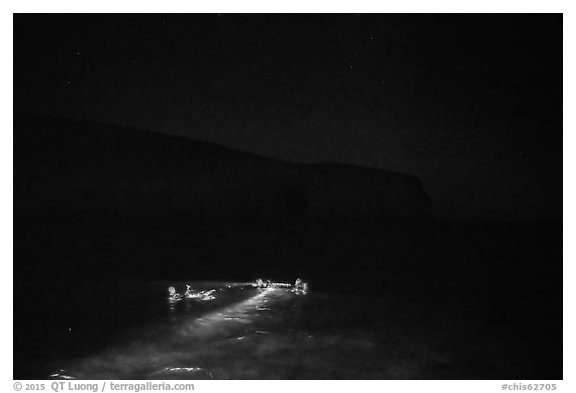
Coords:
299,287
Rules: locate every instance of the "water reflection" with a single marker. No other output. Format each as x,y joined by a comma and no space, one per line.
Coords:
199,332
61,375
172,307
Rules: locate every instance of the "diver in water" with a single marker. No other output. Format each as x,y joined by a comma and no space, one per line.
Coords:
172,294
298,284
188,292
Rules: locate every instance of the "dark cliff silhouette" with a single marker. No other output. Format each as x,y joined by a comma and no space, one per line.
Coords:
75,167
93,200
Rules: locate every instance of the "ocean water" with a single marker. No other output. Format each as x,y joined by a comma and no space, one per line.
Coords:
131,330
238,332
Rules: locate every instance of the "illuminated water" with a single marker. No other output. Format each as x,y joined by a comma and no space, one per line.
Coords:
132,331
243,332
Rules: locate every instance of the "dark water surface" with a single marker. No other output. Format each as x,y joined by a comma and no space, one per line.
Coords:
449,301
130,330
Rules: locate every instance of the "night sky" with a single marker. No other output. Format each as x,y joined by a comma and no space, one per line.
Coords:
470,104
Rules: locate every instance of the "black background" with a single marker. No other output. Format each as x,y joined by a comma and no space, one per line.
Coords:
462,113
471,104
